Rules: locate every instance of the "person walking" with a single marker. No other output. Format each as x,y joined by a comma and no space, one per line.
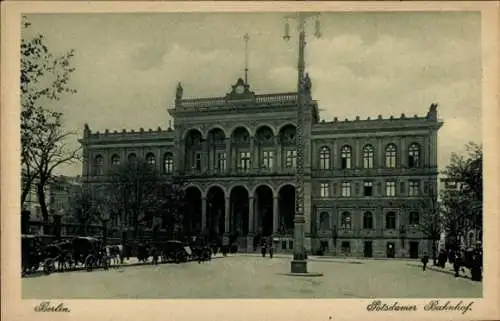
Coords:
425,260
457,264
271,249
263,248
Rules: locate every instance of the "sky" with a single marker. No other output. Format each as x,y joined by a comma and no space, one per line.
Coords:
366,64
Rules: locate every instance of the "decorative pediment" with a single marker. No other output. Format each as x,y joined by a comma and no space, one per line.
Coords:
240,91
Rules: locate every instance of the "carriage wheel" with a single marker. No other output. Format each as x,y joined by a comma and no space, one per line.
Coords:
48,266
90,261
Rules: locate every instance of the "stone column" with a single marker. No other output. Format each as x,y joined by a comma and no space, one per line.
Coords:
380,154
278,161
204,156
253,156
251,215
356,153
203,214
181,156
227,216
433,148
276,214
228,155
251,223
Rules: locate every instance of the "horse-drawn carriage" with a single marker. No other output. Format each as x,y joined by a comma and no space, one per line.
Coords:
62,254
90,252
174,251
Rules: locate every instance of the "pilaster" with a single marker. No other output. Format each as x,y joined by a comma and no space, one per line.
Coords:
404,153
228,155
275,214
227,216
181,155
279,161
204,214
253,154
204,156
251,215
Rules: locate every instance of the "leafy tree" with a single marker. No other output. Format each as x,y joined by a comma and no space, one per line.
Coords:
430,222
44,79
135,188
174,205
463,204
85,212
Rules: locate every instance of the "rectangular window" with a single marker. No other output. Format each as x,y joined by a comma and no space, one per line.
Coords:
325,190
291,158
245,161
346,189
368,189
414,188
221,161
390,188
197,161
268,160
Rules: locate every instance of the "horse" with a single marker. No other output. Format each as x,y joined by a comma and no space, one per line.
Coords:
114,253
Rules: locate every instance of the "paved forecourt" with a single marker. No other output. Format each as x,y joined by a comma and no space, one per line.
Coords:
250,276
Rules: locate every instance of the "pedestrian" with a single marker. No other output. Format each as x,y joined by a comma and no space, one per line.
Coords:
457,264
425,260
271,249
263,248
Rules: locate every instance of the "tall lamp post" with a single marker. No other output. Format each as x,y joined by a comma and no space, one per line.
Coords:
299,262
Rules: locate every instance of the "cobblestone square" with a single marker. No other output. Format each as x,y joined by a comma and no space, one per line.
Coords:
250,276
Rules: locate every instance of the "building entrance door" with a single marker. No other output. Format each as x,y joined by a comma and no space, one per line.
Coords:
368,249
413,250
390,250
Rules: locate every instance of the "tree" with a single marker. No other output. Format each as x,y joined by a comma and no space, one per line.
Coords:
462,204
174,205
135,188
44,79
85,212
430,222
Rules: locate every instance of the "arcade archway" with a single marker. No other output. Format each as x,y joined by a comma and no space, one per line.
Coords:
215,212
286,209
264,210
191,219
239,211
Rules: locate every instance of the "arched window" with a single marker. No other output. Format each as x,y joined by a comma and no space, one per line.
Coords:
324,221
324,158
390,156
168,163
132,158
414,155
115,160
99,165
390,221
151,159
368,156
368,220
346,155
345,221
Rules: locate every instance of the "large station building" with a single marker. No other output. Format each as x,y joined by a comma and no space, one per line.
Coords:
367,181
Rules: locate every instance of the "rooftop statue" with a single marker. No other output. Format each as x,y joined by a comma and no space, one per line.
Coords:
179,92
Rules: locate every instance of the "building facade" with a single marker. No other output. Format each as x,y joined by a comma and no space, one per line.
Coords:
366,181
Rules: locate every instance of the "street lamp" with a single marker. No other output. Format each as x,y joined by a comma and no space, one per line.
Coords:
299,262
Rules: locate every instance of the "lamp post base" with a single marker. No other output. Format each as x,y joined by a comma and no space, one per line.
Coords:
299,266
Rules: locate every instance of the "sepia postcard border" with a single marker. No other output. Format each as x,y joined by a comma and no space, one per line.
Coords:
13,308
